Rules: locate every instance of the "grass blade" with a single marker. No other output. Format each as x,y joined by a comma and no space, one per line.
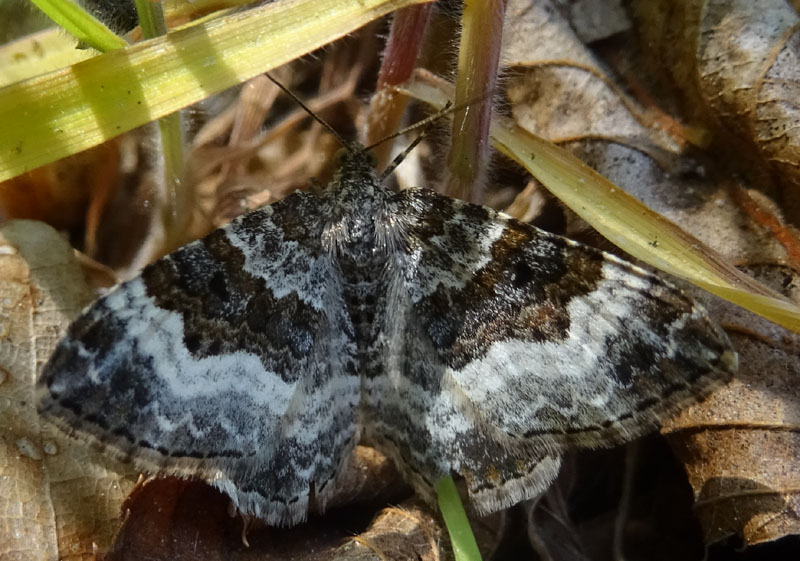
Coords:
48,117
85,27
455,519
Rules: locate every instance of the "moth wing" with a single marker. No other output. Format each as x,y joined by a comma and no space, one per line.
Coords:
225,360
542,343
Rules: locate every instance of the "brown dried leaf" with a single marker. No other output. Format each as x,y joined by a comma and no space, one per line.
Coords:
412,532
57,498
173,519
736,65
594,20
407,532
68,194
574,103
176,519
741,447
369,476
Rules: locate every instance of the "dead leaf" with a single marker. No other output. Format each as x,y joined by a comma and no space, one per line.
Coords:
741,447
369,477
173,519
735,65
68,194
407,532
594,20
58,499
176,519
572,101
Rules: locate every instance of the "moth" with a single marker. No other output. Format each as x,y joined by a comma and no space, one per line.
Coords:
451,337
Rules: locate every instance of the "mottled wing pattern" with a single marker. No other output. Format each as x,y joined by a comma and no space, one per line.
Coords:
531,342
413,414
224,360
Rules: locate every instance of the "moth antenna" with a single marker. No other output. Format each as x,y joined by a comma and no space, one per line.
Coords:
316,117
423,123
401,156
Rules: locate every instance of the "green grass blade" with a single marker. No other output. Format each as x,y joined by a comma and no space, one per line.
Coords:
455,519
48,117
174,212
151,18
81,24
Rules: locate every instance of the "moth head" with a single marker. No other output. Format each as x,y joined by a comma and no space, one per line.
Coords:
354,156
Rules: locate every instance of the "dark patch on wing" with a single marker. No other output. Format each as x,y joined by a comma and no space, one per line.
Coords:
225,309
522,293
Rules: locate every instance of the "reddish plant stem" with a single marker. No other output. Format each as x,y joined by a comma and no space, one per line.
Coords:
399,59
